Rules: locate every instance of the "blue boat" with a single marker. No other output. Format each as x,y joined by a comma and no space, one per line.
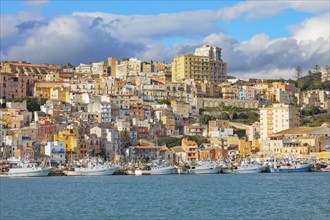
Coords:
291,168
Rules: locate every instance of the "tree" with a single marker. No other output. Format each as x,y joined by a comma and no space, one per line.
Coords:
298,73
32,104
169,141
204,119
198,139
165,101
316,68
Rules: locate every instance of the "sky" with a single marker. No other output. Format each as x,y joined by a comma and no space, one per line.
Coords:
259,39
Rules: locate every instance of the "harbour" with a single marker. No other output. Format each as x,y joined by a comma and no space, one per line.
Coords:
252,196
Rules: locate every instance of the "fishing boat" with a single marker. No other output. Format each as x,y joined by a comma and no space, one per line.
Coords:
291,168
325,169
91,166
27,169
92,170
155,170
162,170
139,172
205,167
244,168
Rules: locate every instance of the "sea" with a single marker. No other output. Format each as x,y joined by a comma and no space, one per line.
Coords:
217,196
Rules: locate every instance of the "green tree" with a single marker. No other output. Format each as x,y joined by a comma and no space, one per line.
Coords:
170,141
198,139
164,101
32,104
204,119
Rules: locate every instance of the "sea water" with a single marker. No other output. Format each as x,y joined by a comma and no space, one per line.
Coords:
217,196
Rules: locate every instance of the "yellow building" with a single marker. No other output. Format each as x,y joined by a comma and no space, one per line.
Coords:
71,139
60,94
181,108
43,89
229,92
188,66
245,148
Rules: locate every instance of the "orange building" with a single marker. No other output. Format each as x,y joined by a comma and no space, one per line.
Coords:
191,149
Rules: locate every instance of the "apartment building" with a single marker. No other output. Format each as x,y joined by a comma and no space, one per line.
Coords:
205,64
14,86
56,151
277,118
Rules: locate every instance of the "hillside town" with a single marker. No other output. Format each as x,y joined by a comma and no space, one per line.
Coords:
133,110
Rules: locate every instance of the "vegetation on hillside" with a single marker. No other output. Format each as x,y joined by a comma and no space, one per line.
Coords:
32,104
174,141
169,141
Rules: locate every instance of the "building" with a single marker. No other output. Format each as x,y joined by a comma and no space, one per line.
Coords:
214,53
325,74
14,86
191,149
56,151
205,64
277,118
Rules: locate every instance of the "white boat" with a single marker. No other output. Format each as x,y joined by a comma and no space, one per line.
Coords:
139,172
162,170
92,170
205,167
325,169
244,168
27,169
155,170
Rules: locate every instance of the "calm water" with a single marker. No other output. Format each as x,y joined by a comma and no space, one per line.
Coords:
250,196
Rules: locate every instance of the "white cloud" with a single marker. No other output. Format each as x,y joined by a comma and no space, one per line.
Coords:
85,37
312,28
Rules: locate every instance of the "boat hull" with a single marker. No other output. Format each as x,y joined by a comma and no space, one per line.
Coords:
27,172
91,171
162,171
211,170
142,172
291,169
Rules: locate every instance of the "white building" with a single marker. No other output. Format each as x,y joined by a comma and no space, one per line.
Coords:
56,151
222,132
83,68
128,67
103,108
277,118
214,53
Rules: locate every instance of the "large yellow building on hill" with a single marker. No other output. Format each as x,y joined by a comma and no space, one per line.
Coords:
201,66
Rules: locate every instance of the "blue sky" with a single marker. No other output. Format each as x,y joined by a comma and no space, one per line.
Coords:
254,35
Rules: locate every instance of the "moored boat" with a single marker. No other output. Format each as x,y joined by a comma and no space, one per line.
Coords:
290,168
205,167
325,169
27,169
139,172
92,170
162,170
155,170
244,168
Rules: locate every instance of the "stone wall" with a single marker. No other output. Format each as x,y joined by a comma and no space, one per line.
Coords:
214,102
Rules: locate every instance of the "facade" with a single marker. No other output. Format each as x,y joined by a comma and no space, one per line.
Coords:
191,149
325,74
207,66
214,53
56,151
277,118
14,86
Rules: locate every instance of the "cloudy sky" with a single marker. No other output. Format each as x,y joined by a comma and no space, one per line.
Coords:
266,39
